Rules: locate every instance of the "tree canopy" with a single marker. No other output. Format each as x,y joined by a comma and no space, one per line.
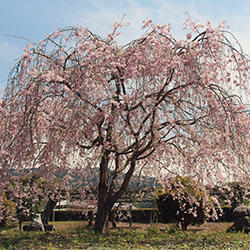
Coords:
76,100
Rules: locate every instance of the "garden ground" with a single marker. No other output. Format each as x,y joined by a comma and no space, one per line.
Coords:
75,235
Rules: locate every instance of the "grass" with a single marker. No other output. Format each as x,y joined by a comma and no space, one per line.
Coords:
75,235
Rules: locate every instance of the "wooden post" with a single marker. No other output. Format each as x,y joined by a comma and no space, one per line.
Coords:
151,217
130,219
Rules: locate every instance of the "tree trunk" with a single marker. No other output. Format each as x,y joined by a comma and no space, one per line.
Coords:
101,221
105,199
103,206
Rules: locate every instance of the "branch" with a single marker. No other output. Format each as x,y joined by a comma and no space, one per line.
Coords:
96,142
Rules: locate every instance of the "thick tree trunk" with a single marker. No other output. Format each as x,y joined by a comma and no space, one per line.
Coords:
106,200
103,206
101,222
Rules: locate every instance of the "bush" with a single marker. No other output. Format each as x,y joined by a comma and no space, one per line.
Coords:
7,210
183,201
230,195
69,215
26,192
142,215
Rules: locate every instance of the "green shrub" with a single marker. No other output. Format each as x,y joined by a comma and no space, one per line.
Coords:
26,192
7,210
183,201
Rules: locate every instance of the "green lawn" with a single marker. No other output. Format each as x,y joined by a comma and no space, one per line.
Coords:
75,235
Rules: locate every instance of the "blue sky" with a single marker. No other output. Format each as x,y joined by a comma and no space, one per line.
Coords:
33,19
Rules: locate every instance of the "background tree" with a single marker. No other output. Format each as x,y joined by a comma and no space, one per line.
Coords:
27,195
186,202
77,101
230,195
